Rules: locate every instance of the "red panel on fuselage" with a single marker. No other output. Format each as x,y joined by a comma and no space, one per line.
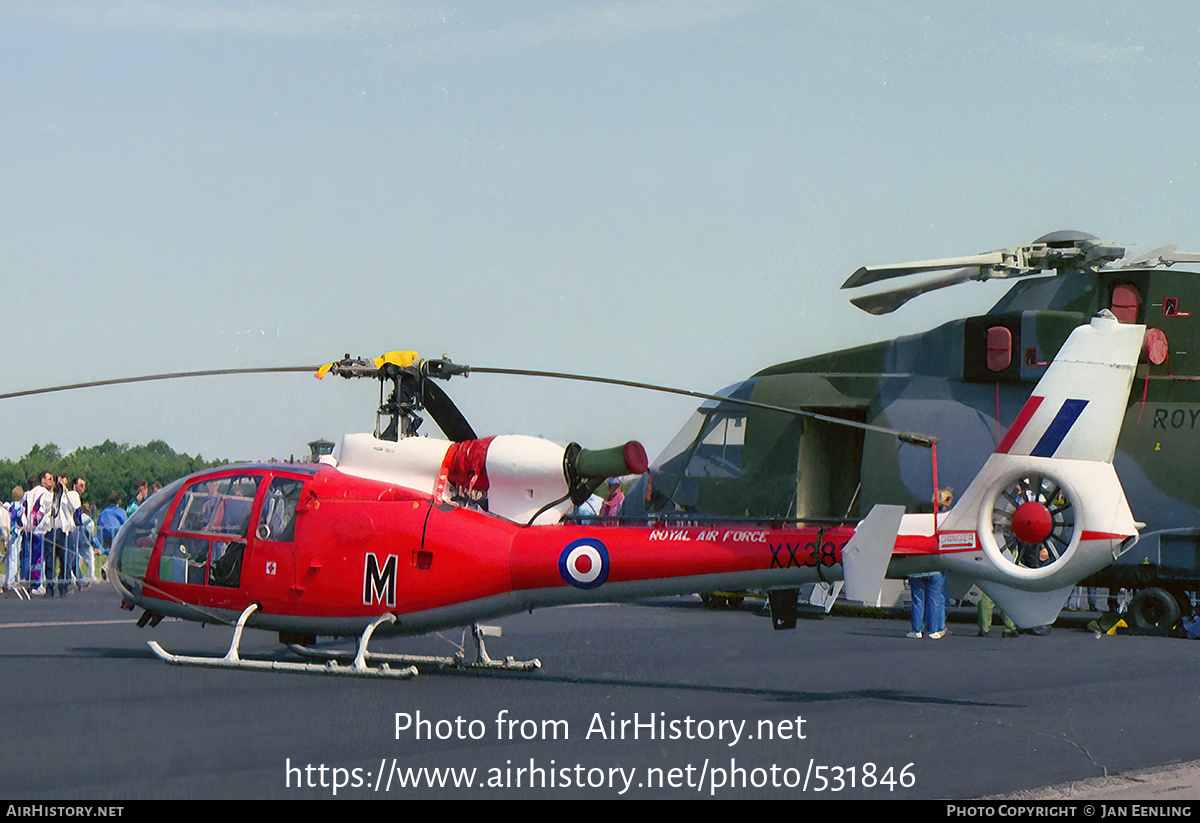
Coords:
371,546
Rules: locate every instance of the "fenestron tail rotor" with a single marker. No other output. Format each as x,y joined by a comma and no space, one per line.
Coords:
1033,521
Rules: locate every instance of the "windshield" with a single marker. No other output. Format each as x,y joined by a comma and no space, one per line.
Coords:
133,545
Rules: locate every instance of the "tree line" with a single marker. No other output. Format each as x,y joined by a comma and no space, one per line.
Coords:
107,468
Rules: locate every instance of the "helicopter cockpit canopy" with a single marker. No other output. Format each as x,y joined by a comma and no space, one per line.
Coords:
710,445
133,545
201,525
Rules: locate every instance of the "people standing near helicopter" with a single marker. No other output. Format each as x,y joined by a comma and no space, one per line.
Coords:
58,565
15,539
588,509
1034,556
985,609
35,517
108,524
928,610
5,544
72,509
143,491
614,500
89,544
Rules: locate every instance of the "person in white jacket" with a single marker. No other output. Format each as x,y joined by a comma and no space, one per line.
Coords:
35,512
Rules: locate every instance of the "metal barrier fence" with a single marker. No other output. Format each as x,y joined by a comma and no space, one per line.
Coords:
35,565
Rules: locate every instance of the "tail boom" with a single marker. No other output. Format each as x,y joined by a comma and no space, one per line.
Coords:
555,565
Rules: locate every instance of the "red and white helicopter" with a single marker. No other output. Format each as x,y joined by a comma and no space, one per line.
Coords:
407,535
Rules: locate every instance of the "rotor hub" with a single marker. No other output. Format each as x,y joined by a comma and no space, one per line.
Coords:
1032,522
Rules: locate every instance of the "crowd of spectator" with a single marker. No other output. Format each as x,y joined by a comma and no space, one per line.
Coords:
52,540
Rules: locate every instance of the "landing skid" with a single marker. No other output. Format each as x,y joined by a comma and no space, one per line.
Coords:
458,661
231,660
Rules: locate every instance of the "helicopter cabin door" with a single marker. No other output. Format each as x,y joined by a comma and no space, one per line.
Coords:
271,548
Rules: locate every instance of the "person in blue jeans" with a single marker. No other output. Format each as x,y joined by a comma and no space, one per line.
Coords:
929,590
928,604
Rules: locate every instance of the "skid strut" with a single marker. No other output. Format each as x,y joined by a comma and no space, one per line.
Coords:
458,661
231,660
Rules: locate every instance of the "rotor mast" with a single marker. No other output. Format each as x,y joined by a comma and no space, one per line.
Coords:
398,415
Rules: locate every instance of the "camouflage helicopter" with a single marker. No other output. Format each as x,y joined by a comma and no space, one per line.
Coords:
964,381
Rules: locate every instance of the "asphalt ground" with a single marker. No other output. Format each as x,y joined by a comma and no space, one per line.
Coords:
661,699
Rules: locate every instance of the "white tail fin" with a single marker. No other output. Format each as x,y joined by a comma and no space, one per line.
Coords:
1076,410
1047,509
865,558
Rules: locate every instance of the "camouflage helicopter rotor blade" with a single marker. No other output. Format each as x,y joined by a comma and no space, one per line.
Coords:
888,301
873,274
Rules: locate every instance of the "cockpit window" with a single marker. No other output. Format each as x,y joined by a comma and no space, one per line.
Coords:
217,505
710,445
184,560
718,453
135,542
278,518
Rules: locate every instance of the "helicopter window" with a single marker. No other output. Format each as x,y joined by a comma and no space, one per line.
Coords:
184,560
1125,301
718,450
278,518
135,543
226,563
218,505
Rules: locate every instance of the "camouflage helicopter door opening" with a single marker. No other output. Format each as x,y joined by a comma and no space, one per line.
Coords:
828,465
733,461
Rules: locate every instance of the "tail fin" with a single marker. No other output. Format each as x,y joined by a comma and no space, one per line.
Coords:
1047,509
1075,411
865,557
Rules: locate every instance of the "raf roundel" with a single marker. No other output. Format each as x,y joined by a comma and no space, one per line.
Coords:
584,563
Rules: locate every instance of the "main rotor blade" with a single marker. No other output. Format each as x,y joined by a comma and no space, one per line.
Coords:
1164,256
888,301
1150,258
443,411
169,376
908,437
873,274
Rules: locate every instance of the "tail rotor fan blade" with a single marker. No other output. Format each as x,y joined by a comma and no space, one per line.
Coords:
1033,521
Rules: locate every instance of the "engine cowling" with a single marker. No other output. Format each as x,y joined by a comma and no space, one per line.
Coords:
520,475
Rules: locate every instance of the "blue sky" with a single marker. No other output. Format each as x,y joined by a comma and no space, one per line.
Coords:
663,191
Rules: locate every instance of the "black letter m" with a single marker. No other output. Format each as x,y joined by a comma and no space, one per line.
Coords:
379,586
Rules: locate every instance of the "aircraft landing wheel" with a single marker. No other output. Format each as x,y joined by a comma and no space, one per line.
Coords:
733,602
1154,608
709,601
